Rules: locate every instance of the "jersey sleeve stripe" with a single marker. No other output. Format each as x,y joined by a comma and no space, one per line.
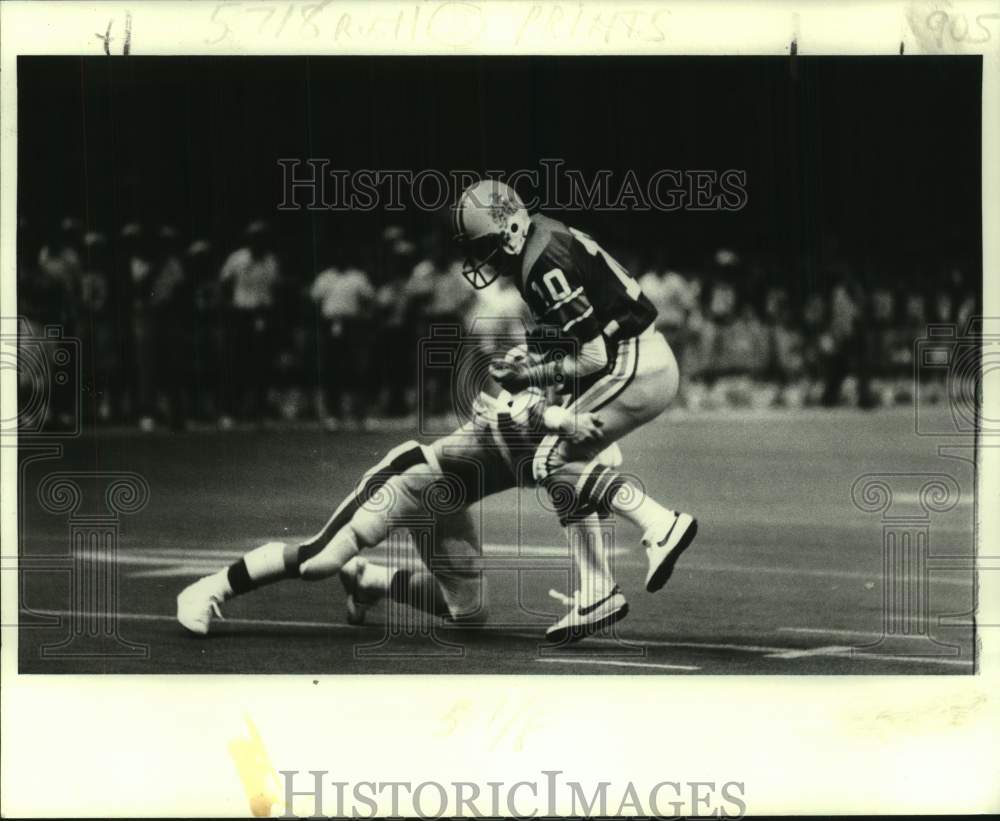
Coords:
580,318
568,298
573,309
567,310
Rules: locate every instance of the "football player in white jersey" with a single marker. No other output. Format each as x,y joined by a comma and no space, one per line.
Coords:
412,484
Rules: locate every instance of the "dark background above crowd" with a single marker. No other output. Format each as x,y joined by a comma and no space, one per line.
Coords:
139,178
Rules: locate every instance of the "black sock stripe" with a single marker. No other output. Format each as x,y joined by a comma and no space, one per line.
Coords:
239,577
583,497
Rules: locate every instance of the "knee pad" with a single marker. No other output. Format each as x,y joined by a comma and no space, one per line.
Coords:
579,490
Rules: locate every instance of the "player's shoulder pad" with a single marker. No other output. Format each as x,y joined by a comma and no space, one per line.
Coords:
548,246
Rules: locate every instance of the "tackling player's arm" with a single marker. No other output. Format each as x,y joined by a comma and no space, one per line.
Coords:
576,427
591,357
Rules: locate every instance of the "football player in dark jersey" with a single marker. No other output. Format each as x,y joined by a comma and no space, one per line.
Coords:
621,369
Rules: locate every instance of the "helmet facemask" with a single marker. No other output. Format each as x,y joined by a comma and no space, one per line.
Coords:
482,258
491,224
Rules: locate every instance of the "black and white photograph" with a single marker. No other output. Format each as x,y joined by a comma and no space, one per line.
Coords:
499,365
326,364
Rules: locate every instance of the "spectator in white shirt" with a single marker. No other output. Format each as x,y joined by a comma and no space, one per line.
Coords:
253,279
344,300
253,274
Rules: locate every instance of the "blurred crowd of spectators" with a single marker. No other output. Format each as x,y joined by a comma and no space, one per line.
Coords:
177,329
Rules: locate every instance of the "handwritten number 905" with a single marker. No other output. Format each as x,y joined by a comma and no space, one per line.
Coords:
957,27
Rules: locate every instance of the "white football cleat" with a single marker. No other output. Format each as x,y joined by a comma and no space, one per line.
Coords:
582,620
199,602
664,544
351,577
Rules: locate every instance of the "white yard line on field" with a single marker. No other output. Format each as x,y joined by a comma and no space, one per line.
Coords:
614,663
811,651
694,645
830,631
847,652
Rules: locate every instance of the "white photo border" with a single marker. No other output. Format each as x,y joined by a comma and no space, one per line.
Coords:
166,745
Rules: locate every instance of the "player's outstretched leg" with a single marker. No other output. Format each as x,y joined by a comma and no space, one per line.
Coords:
357,523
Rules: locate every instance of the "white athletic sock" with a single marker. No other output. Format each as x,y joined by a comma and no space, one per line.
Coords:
266,563
633,504
262,565
591,544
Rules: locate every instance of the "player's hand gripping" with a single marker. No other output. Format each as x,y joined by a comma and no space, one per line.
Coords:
584,427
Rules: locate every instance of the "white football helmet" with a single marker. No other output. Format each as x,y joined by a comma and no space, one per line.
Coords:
489,219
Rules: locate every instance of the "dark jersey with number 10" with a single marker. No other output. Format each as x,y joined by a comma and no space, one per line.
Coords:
573,284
